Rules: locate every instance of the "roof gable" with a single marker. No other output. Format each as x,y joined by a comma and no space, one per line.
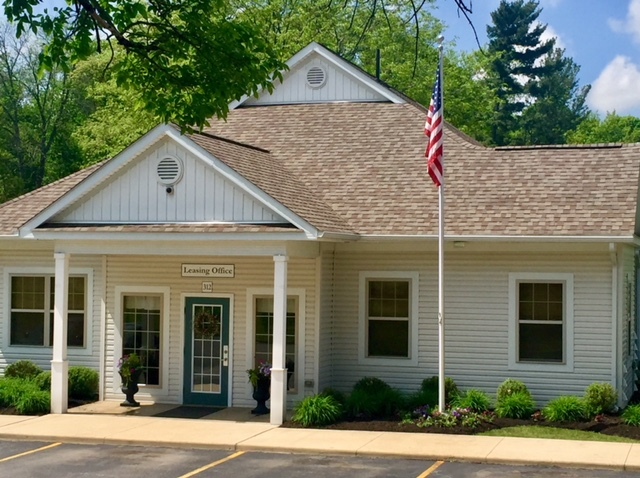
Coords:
317,75
137,194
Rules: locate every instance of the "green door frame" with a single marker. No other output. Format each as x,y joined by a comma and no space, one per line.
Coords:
206,351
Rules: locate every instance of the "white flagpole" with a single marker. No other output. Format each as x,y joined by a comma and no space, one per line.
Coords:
441,377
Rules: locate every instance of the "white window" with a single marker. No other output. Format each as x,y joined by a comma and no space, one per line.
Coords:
389,317
263,337
31,310
541,321
142,318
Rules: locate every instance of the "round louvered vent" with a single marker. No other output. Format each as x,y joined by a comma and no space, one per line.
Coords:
316,77
169,170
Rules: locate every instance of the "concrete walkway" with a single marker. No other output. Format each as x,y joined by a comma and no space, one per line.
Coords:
237,429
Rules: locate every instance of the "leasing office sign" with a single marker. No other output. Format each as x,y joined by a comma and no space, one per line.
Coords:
208,270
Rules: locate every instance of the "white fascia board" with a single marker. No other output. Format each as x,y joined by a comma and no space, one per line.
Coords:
338,63
244,184
97,177
491,238
43,234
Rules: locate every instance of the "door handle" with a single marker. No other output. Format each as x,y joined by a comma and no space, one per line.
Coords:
225,356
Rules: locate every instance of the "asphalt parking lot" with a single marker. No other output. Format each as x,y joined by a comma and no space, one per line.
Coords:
20,459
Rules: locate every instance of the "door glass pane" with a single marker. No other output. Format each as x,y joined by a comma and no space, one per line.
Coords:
141,333
206,367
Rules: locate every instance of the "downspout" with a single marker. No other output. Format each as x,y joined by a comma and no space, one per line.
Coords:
615,366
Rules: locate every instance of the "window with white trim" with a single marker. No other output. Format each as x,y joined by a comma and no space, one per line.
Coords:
388,315
141,333
32,304
542,320
263,335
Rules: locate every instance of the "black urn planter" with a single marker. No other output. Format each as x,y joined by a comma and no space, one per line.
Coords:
261,394
130,388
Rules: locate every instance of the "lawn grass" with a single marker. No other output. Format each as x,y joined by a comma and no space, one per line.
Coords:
555,433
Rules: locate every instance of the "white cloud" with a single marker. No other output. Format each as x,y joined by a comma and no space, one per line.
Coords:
550,33
616,89
631,24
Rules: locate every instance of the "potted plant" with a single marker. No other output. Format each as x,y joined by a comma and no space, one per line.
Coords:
130,369
260,378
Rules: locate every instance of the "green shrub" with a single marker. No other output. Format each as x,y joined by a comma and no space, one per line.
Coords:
22,369
631,415
516,405
421,398
36,402
384,403
473,399
83,383
318,410
510,387
566,409
600,398
339,397
43,381
430,385
12,388
371,385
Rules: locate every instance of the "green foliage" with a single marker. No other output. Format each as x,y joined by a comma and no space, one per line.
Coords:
566,409
600,398
318,410
374,398
430,385
188,60
455,417
22,369
473,399
83,383
337,395
611,129
43,381
37,402
509,387
422,398
631,415
516,405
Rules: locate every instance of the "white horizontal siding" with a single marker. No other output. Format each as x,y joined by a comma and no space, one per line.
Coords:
338,87
326,321
135,195
250,272
476,321
42,260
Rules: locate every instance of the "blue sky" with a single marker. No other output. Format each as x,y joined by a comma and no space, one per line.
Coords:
602,37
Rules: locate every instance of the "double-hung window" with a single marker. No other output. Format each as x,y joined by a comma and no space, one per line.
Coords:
32,304
388,315
542,320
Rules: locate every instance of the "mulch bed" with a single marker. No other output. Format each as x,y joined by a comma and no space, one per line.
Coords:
609,425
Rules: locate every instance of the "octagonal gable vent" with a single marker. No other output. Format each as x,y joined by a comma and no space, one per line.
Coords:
316,77
169,170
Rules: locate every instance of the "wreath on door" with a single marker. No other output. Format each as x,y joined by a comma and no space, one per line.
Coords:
206,325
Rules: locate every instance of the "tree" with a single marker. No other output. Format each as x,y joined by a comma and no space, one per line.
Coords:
560,105
515,42
34,120
613,129
187,59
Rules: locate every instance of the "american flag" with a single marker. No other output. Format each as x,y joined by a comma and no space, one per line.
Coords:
433,130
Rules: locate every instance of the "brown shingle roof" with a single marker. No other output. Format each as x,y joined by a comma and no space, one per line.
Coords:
367,161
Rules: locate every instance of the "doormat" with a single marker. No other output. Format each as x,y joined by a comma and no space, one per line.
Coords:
186,411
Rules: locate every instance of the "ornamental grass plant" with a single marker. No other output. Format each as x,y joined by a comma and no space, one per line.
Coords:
317,411
566,409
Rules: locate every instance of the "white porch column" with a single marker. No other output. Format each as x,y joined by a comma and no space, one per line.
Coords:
278,370
60,364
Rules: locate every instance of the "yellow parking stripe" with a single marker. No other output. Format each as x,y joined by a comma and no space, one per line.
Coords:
30,452
431,469
211,465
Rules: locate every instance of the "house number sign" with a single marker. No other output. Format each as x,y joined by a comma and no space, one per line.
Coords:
208,270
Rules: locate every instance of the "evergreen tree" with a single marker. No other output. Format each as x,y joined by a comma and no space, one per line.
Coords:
518,51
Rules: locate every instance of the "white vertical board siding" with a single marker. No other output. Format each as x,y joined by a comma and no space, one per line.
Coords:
476,321
250,272
338,87
42,262
326,320
627,314
135,195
